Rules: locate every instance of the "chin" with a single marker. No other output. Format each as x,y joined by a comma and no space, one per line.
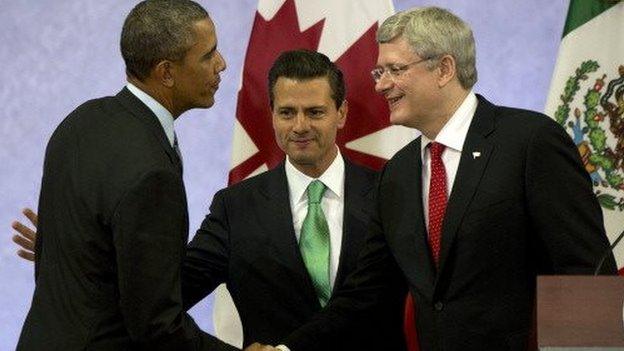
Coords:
205,104
399,119
300,158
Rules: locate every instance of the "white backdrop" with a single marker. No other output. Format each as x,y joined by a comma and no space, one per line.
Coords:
57,54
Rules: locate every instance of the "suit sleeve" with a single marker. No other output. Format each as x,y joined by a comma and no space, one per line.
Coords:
149,233
366,292
564,211
207,255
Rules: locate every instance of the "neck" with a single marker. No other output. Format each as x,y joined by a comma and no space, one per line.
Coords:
159,94
315,170
447,109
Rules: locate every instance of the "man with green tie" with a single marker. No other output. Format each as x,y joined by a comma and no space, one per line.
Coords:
285,240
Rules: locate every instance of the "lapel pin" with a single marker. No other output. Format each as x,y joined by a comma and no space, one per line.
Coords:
476,154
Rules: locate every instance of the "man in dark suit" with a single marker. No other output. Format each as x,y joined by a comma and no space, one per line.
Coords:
113,213
254,236
472,211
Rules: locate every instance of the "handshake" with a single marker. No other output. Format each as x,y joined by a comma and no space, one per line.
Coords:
259,347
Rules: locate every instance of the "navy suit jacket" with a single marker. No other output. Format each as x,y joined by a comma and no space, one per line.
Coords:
248,242
524,207
112,232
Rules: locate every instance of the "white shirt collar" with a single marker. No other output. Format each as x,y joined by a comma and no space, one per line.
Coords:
454,132
298,182
164,116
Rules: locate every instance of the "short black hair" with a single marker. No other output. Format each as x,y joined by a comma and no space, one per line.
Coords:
305,65
157,30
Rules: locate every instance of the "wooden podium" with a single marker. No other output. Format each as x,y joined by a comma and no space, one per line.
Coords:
577,313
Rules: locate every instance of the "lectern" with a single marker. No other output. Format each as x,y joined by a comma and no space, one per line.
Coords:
580,313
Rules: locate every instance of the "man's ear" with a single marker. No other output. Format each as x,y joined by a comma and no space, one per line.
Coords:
447,70
163,73
343,110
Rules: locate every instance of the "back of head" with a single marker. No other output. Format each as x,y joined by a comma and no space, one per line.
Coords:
305,65
433,32
156,30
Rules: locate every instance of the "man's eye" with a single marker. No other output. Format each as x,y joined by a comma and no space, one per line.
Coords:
395,70
285,113
316,113
209,56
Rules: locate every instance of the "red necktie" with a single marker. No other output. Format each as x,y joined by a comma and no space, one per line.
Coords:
409,324
437,207
437,200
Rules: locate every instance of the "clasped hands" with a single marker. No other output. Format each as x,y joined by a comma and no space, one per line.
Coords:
259,347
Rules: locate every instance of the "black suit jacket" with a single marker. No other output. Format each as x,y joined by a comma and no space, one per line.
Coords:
248,242
524,207
112,233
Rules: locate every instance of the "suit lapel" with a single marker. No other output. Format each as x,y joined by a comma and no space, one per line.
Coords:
469,174
421,273
149,119
401,211
355,220
279,222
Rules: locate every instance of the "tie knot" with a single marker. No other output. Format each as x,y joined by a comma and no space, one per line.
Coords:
315,191
436,149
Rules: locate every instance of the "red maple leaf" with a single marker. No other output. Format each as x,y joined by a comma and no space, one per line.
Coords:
268,40
367,111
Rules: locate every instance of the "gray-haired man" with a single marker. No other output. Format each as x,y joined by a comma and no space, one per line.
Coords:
474,209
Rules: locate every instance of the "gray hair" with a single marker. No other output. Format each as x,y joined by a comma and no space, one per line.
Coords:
156,30
433,32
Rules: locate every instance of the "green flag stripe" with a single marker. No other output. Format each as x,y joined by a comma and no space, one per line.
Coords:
581,11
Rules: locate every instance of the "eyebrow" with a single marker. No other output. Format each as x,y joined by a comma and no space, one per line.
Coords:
307,108
389,64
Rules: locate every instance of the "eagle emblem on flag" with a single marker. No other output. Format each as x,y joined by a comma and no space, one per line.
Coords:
597,128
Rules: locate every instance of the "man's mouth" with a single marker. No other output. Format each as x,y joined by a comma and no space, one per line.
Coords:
301,142
215,85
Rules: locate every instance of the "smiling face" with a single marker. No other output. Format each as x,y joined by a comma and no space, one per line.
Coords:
414,95
306,121
196,76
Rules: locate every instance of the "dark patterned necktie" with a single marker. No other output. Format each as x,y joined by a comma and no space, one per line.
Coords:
437,200
177,150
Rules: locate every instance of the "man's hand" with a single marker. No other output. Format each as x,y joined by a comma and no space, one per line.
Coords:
27,236
259,347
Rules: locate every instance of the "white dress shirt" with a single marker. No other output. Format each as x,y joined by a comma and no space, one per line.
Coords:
332,204
164,116
452,135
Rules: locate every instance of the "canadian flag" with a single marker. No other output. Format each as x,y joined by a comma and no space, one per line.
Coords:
343,30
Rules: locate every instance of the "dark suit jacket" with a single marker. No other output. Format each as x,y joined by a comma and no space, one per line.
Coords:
248,242
524,207
112,233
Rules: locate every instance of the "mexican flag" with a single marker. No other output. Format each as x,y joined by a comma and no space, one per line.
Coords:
587,98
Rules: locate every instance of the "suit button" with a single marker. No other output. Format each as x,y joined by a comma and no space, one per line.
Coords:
438,306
